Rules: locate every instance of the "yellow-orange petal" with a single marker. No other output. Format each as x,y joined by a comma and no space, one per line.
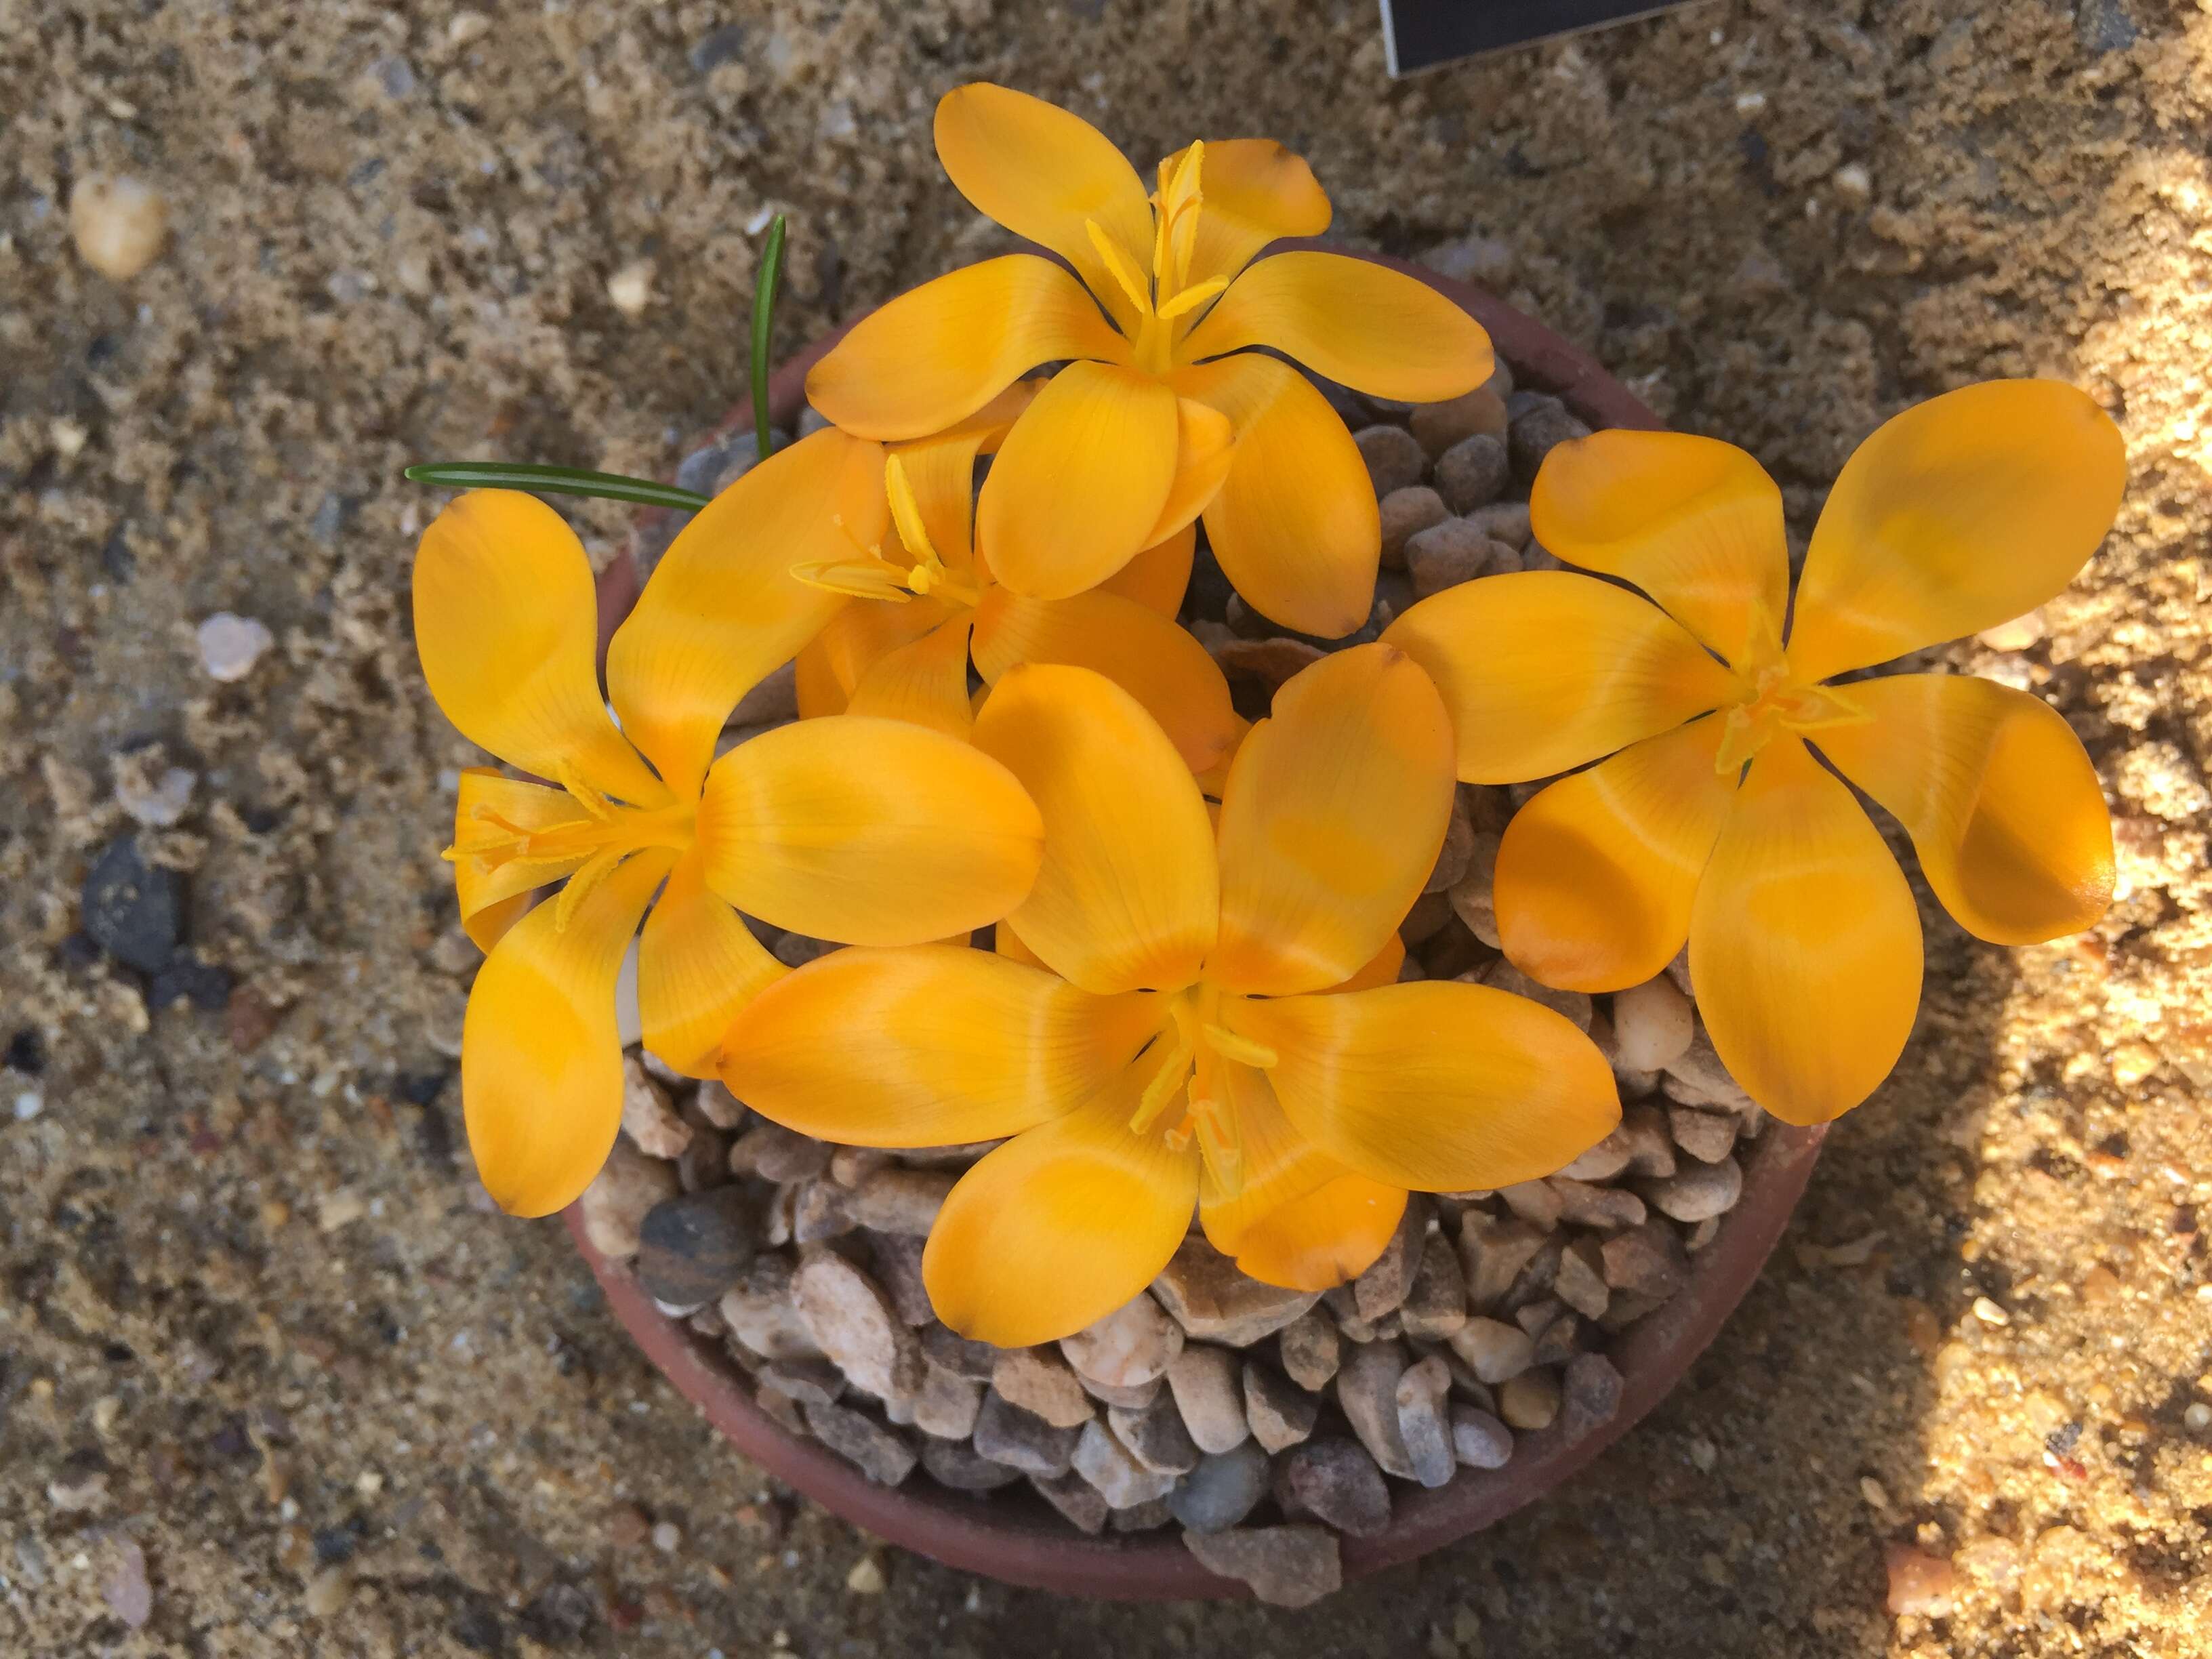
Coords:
1158,577
867,831
1353,320
1256,192
722,610
930,1046
1695,523
1597,873
1059,1227
1166,670
1330,822
1079,482
1206,446
1436,1086
940,470
698,964
1545,669
1804,943
855,639
1276,1164
1295,522
1383,969
1962,513
541,1057
1045,174
936,355
1328,1237
1128,894
2002,803
490,883
507,624
925,682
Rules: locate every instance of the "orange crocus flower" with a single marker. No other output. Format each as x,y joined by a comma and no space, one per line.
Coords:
1717,822
1179,1017
1166,409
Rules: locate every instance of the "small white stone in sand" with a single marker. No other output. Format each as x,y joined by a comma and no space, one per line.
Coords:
667,1537
866,1577
1989,1313
119,224
231,644
630,288
28,1105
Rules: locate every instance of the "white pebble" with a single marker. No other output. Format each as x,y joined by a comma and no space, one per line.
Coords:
667,1537
866,1577
28,1105
1853,180
630,288
154,799
2198,1417
1750,103
1989,1313
119,224
231,644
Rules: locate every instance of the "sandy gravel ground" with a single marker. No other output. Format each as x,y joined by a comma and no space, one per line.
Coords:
260,1339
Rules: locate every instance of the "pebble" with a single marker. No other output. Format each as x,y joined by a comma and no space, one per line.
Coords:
852,1320
777,1154
1558,1337
1989,1313
153,795
1131,1346
187,979
1310,1346
897,1260
1493,1251
1456,852
956,1464
692,1247
1580,1282
895,1200
1395,457
1214,1303
1647,1260
1279,1413
1709,1137
1135,1397
1007,1434
1537,430
1040,1383
327,1592
1445,554
1493,1350
1474,896
1367,1390
1604,1208
629,290
1335,1481
1699,1193
1437,1304
1204,1381
1141,1517
946,1349
1407,513
1388,1279
1224,1488
1114,1471
2197,1416
1423,1425
1289,1567
1478,1440
1076,1498
720,1107
132,909
866,1577
231,644
1269,661
1155,1436
2018,634
626,1188
1652,1024
1919,1583
947,1405
1575,1005
850,1165
1651,1149
1439,426
1602,1162
1529,1400
1699,1070
1534,1202
648,1118
1504,521
1590,1392
759,1313
877,1452
118,223
811,1381
1473,472
128,1594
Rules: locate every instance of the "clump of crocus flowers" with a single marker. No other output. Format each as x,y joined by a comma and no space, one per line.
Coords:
1188,1005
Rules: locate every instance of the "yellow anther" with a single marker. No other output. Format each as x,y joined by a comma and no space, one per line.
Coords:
880,579
1161,1092
906,512
1123,268
570,778
1242,1049
1218,1142
596,869
1192,297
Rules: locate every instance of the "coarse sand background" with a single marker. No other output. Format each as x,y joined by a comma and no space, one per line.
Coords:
259,1333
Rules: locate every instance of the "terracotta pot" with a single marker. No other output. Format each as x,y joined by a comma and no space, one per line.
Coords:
1011,1535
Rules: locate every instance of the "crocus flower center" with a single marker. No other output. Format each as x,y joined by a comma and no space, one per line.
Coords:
609,832
1774,702
1184,1098
1167,302
869,575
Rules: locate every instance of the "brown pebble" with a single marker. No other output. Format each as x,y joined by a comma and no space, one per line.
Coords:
1473,473
1445,554
1406,513
1537,431
1439,426
1395,457
1529,1400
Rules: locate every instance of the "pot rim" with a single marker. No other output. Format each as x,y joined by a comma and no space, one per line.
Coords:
1012,1535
